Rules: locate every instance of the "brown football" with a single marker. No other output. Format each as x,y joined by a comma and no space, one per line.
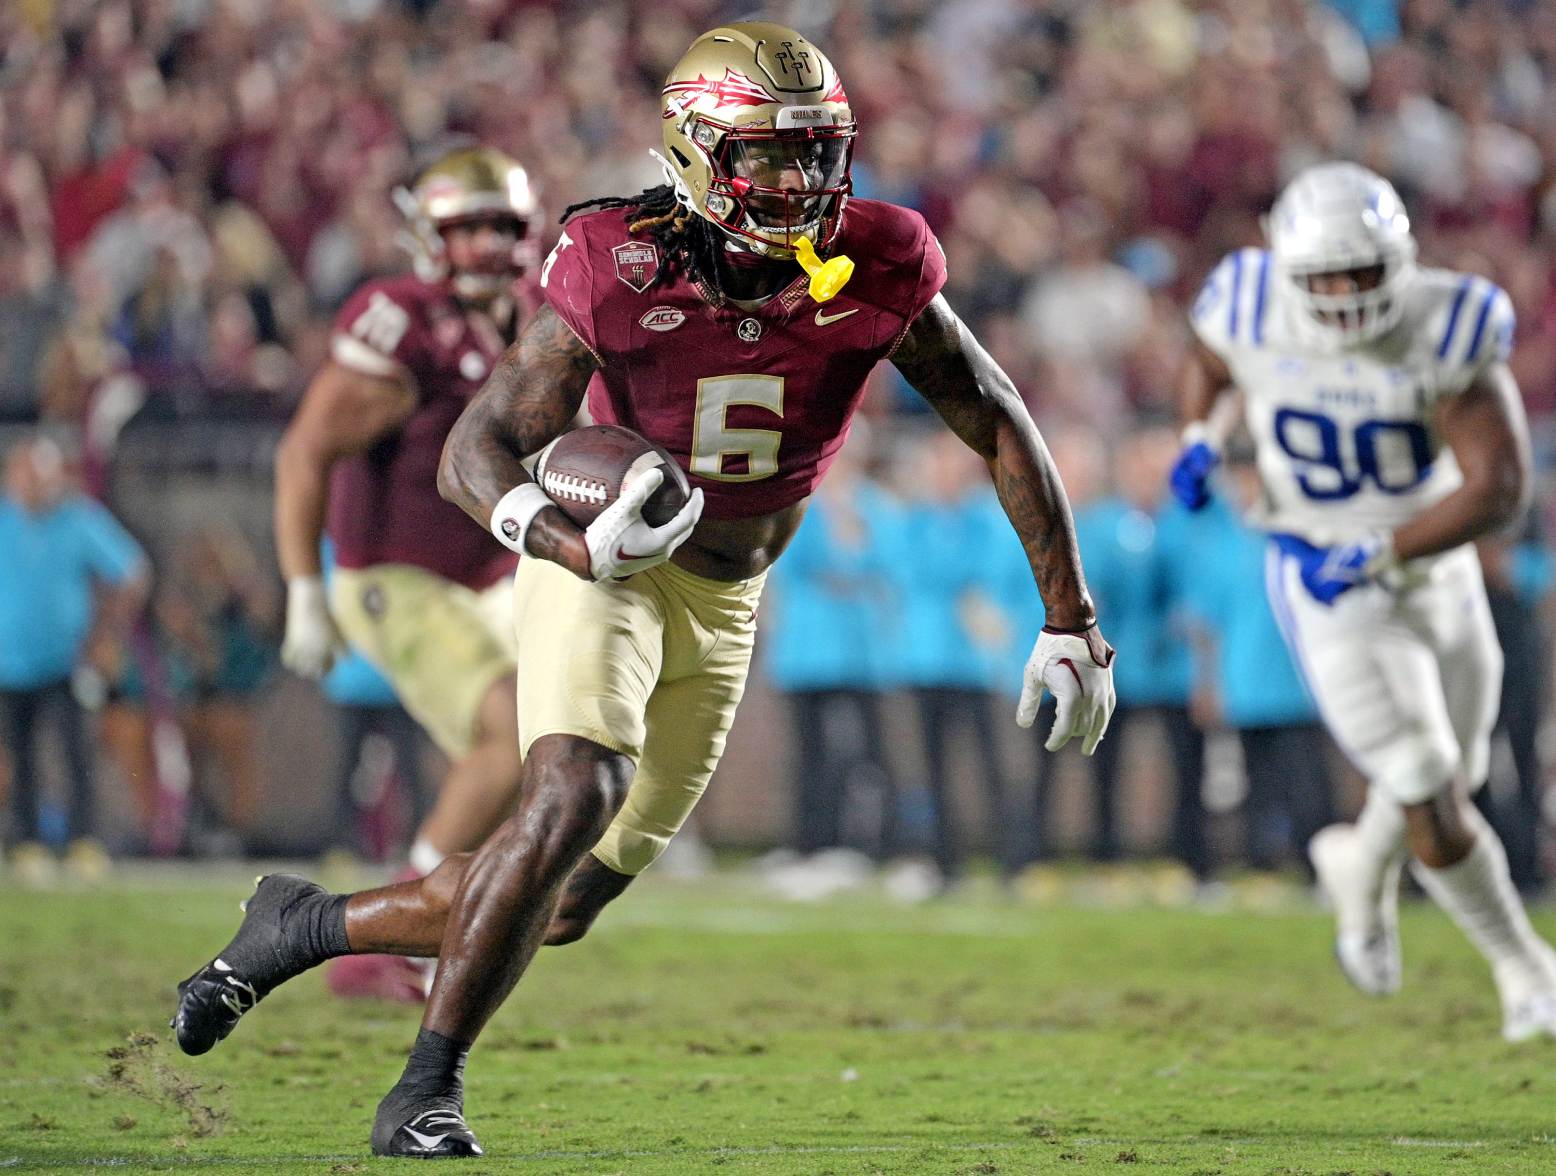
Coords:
582,472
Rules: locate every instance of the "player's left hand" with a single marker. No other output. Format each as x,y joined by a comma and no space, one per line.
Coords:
621,543
1077,668
1329,572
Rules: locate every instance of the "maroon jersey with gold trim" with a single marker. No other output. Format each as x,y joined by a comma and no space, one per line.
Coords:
754,404
384,503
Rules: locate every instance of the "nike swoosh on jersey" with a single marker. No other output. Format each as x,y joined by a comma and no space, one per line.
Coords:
823,318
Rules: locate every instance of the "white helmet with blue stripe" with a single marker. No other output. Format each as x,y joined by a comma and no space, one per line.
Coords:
1341,244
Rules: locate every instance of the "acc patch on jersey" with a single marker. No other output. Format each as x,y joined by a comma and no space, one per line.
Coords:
636,263
662,318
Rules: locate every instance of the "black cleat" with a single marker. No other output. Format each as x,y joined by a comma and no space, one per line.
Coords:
256,961
428,1129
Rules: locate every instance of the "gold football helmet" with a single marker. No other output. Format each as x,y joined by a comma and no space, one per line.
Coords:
759,137
472,183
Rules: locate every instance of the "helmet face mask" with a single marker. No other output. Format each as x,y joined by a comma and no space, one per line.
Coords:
758,137
471,186
484,253
770,188
1348,301
1340,238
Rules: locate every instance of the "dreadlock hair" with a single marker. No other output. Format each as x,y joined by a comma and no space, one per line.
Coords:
688,244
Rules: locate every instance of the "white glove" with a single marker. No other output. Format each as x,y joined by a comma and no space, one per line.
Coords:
1077,668
312,642
621,544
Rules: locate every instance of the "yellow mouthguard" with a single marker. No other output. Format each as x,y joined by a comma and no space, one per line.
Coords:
826,277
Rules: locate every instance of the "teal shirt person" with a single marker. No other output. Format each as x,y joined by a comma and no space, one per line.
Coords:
1127,553
829,600
52,560
355,681
952,630
1222,589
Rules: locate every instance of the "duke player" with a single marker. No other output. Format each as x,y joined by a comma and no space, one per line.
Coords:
683,314
1389,435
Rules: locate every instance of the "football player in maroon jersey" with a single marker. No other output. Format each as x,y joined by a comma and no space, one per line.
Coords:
422,594
684,313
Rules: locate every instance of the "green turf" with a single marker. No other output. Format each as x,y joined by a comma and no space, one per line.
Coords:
705,1028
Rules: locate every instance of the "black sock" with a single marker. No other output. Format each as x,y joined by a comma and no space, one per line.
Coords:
294,926
318,930
436,1067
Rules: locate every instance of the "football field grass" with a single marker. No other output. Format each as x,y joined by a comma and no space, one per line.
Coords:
705,1027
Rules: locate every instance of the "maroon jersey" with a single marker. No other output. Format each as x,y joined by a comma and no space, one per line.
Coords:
754,404
384,502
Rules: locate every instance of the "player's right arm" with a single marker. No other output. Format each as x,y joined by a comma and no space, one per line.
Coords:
530,398
1207,402
343,412
1204,385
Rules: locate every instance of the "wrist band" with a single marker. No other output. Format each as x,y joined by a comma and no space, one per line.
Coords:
305,586
1382,559
1198,433
515,511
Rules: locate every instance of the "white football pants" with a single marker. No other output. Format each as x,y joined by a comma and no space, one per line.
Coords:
1406,673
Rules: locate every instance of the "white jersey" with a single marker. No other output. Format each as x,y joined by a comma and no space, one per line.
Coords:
1344,438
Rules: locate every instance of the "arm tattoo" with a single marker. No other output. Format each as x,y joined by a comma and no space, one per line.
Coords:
529,399
941,359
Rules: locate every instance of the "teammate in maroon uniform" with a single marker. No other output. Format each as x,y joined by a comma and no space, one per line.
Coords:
421,593
685,314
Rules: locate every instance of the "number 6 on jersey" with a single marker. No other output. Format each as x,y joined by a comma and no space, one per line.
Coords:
713,441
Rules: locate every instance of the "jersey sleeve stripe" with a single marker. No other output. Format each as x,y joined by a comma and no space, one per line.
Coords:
352,353
1453,317
1259,298
1237,293
1480,323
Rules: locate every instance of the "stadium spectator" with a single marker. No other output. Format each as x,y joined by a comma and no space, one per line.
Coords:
1519,580
1247,680
218,615
1134,554
71,582
1082,460
951,639
834,621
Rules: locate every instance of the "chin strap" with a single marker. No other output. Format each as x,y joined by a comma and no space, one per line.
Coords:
673,178
419,238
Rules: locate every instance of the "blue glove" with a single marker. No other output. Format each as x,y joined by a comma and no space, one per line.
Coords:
1328,572
1190,477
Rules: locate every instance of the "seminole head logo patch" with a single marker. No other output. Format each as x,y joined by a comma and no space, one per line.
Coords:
636,263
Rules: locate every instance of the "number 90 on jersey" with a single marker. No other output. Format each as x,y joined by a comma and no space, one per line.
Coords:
1335,463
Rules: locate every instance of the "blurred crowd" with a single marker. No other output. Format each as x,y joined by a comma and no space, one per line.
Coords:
190,188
